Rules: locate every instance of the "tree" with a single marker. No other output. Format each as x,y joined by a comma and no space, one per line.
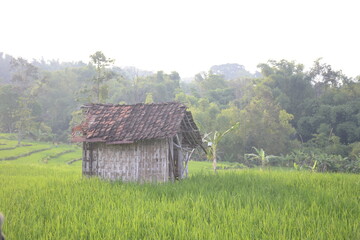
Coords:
101,63
322,73
58,99
208,82
338,108
264,123
289,84
24,73
26,80
205,114
8,108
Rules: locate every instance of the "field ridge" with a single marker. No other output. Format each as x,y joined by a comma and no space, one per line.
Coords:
24,155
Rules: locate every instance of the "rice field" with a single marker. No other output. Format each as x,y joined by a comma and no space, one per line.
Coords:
51,200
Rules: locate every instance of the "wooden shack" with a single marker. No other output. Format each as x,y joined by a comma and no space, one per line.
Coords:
142,142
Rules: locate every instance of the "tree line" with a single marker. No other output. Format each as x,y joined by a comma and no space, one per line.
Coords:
281,109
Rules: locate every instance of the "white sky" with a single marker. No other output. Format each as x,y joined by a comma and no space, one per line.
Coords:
187,36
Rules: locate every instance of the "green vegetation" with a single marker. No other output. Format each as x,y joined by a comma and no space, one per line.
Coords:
48,202
307,122
35,152
282,109
51,200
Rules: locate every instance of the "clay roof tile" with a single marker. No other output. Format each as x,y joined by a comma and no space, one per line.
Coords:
130,123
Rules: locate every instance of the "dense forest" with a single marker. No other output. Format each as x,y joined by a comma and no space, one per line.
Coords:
283,109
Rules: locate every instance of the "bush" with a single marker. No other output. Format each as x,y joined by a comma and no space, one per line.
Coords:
317,160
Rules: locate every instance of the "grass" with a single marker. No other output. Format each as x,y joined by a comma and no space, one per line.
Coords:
53,201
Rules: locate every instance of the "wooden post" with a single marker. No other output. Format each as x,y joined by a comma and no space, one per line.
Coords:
90,158
180,163
84,159
180,156
171,159
214,159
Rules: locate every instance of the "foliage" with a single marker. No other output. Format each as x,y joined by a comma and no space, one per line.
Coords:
315,160
149,98
99,89
278,109
8,108
265,124
289,84
323,74
28,84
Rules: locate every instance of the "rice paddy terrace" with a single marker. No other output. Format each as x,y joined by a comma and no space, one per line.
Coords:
44,196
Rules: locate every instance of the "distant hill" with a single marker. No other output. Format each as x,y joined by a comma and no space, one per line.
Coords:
232,71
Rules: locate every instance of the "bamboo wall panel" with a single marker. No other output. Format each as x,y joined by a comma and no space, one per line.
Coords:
142,161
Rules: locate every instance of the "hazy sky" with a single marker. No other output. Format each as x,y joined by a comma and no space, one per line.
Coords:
186,36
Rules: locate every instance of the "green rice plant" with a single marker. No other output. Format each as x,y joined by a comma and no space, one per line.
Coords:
54,201
56,155
66,158
8,136
199,167
18,152
6,144
42,201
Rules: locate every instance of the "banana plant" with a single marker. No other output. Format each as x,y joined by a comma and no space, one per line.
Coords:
213,141
260,156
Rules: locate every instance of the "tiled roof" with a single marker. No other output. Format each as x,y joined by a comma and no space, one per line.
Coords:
117,124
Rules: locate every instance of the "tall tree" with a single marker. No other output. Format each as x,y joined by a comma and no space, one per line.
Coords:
322,73
26,80
289,84
8,108
103,74
264,123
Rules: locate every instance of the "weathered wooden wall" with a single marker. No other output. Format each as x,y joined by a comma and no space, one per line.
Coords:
142,161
